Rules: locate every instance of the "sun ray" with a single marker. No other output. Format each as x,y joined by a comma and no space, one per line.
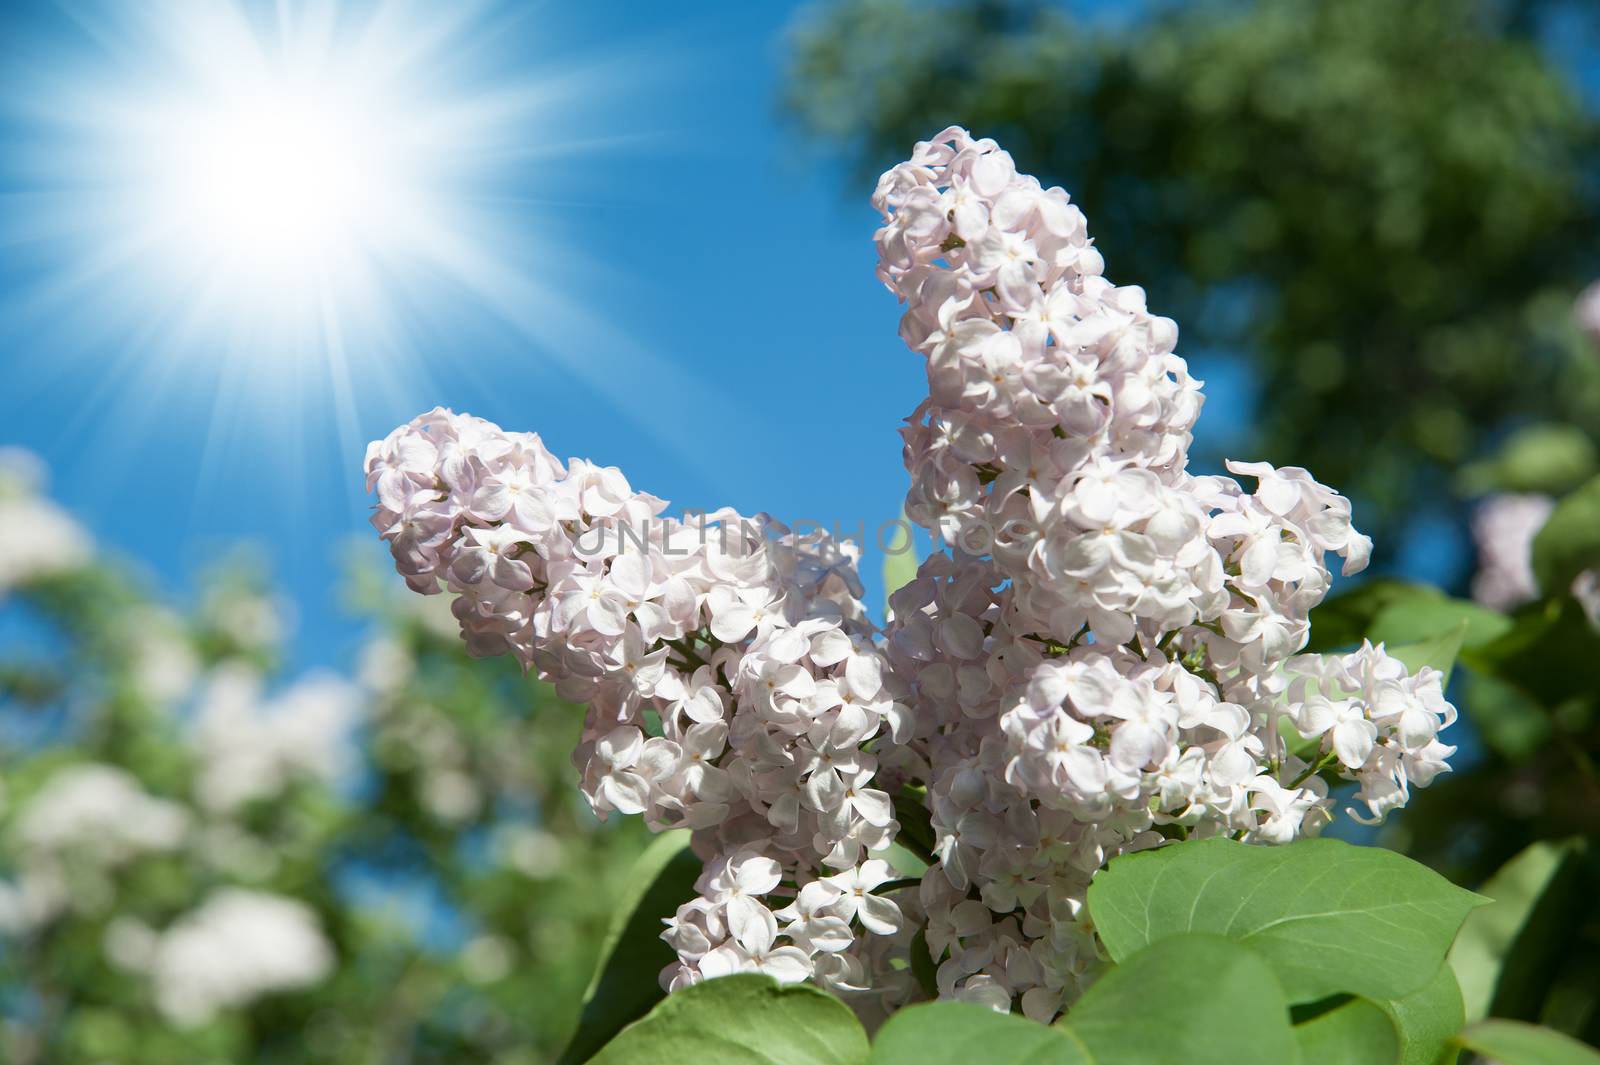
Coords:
249,208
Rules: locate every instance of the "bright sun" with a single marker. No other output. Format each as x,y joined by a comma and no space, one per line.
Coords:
274,199
278,183
282,173
291,210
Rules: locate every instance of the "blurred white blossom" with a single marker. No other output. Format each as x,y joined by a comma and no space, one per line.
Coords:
37,538
487,958
250,618
1586,311
1586,589
102,810
83,822
251,746
1503,527
451,795
532,851
165,666
233,948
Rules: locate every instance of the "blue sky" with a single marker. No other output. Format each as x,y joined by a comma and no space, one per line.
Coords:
745,355
695,301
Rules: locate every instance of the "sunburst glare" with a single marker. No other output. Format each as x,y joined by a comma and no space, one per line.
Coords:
272,204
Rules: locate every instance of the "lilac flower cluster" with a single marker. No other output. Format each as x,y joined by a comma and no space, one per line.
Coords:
1106,658
733,684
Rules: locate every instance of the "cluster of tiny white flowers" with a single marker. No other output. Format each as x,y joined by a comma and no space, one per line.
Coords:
233,948
1105,659
1377,721
162,661
731,677
37,538
1503,528
86,820
1586,312
252,747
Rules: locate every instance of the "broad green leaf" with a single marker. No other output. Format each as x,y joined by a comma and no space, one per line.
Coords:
1512,722
1199,999
1327,916
1548,457
916,829
746,1019
1569,543
1345,619
923,968
899,560
1515,1043
960,1032
1506,951
1428,1020
1544,654
1438,651
1421,617
625,984
904,861
1355,1033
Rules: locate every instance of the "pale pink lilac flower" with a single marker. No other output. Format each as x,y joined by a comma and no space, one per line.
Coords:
1104,656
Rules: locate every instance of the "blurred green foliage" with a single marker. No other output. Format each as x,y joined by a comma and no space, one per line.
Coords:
1511,819
453,867
1387,209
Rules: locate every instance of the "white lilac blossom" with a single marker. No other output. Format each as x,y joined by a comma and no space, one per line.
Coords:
733,683
37,538
85,821
163,662
1586,312
101,809
235,947
1586,590
252,620
1106,658
251,747
1503,527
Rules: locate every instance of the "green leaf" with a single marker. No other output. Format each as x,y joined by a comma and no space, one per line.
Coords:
1355,1033
1199,999
1439,651
1345,619
746,1019
1515,1043
923,967
904,861
1327,916
1545,633
958,1031
1419,624
1429,615
916,828
625,985
1428,1020
899,560
1569,543
1549,458
1512,722
1507,951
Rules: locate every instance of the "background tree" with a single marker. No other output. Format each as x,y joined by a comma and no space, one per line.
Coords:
204,860
1387,210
